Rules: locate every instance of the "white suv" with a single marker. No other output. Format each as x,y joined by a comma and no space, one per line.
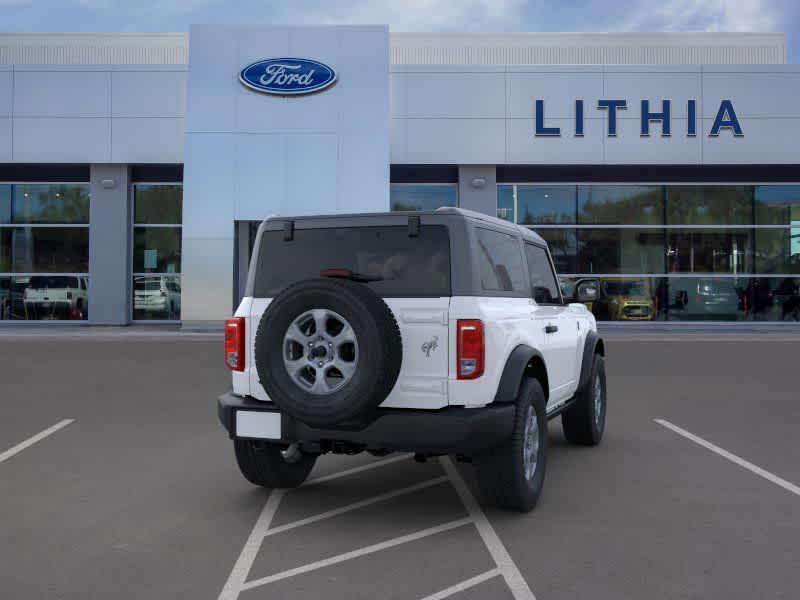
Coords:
439,332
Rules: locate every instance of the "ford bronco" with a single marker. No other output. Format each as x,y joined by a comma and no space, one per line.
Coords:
437,333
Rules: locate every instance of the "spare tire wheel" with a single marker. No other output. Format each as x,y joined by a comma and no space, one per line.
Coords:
328,351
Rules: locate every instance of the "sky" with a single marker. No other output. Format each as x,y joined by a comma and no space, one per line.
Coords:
414,15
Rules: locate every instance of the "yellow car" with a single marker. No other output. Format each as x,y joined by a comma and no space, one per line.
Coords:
623,299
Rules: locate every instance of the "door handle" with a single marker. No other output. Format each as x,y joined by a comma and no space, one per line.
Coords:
550,328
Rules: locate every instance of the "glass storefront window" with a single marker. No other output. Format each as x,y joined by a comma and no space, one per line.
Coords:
704,252
620,204
44,297
422,196
538,204
624,298
710,251
158,204
563,245
774,299
778,250
44,251
620,251
157,250
709,205
707,299
505,202
42,203
777,205
156,297
157,214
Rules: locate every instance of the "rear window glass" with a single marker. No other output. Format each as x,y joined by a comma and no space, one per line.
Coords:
400,265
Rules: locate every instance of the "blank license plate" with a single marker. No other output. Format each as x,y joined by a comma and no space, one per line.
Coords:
258,424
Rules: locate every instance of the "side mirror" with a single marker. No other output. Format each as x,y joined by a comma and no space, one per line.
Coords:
587,290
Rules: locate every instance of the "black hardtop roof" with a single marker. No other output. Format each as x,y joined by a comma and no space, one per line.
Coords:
399,217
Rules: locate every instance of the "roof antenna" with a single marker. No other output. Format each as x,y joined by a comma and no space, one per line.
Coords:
413,226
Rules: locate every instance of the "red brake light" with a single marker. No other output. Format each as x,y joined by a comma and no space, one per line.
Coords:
470,348
234,343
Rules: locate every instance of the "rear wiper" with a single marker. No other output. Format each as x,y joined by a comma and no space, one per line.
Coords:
348,274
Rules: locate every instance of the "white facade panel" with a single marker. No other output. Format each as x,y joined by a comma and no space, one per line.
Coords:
524,148
76,140
677,87
211,94
209,179
397,141
352,178
148,93
311,167
62,93
264,154
454,95
765,141
5,139
558,90
454,141
629,148
313,138
207,264
6,91
147,140
753,94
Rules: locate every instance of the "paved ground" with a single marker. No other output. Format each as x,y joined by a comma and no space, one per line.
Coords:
139,496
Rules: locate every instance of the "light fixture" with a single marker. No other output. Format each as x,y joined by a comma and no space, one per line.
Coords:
108,183
478,182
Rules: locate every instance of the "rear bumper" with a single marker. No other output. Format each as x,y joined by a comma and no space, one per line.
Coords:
453,430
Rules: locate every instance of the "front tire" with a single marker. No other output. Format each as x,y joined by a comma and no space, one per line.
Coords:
584,422
265,465
511,476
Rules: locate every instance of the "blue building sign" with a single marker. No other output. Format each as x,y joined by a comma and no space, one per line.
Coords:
725,120
287,76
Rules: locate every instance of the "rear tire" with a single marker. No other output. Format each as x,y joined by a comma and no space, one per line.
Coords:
505,477
584,422
264,464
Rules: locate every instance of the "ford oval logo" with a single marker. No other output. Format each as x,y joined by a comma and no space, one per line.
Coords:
287,76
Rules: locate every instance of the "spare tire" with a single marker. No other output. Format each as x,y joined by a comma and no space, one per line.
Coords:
328,351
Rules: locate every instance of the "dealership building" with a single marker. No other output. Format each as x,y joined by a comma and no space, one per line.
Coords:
135,168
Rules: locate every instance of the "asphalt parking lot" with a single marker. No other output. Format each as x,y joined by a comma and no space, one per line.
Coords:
116,481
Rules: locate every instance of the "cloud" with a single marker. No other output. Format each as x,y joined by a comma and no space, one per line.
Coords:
705,15
413,15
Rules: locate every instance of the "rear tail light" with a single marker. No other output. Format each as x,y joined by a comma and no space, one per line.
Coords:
470,348
234,343
69,294
163,293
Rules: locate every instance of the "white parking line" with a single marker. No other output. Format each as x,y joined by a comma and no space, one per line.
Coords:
464,585
507,567
356,505
354,470
33,439
241,569
234,586
417,535
788,486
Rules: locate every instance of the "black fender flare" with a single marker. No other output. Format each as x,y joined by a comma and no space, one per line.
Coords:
514,371
593,345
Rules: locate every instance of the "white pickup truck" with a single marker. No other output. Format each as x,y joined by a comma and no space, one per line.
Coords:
56,296
440,332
